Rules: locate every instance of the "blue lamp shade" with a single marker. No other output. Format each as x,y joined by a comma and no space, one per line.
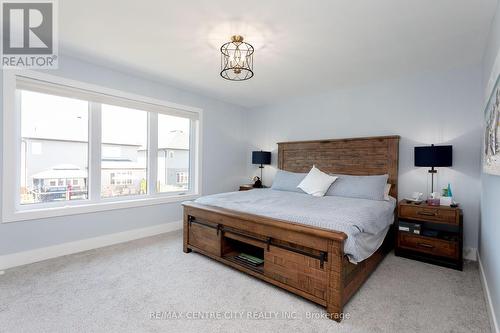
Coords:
434,156
261,157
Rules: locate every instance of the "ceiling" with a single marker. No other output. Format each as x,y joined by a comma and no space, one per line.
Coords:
301,46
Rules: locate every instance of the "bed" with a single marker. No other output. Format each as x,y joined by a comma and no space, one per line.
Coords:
306,253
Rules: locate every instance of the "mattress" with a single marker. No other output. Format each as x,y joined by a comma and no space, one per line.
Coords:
365,222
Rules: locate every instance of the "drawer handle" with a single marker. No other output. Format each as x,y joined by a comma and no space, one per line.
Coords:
426,245
426,213
322,258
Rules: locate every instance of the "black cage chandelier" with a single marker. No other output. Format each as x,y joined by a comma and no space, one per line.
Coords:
236,60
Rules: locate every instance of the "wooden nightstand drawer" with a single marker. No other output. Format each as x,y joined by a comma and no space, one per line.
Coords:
434,246
427,213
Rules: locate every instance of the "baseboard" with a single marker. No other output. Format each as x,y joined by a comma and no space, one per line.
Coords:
49,252
470,253
489,303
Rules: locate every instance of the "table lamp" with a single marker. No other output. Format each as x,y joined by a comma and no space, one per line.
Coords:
261,157
433,157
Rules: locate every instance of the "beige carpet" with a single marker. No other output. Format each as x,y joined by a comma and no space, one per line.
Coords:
115,289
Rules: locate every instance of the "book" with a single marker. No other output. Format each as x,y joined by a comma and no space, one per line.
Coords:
249,259
252,258
246,262
414,228
430,233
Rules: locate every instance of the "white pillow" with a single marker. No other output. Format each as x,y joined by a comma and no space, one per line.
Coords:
387,191
316,183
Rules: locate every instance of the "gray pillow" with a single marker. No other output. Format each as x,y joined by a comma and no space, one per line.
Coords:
287,181
362,187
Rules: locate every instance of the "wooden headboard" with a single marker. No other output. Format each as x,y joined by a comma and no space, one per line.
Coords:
356,156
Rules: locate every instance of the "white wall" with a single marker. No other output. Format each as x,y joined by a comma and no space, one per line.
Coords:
422,109
224,165
489,238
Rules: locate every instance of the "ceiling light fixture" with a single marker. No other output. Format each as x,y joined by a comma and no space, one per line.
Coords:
236,59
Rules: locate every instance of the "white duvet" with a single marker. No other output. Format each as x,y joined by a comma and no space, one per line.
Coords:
365,222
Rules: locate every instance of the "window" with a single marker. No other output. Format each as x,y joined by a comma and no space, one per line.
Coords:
173,153
36,148
65,141
182,178
82,148
124,178
124,147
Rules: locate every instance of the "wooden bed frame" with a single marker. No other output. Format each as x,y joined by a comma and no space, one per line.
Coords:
305,260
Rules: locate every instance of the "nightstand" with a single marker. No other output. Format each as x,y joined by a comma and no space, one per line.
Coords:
433,234
246,187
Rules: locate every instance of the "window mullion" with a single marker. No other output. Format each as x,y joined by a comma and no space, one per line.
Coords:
17,146
194,162
95,135
152,152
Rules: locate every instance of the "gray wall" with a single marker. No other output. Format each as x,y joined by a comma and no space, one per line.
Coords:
423,109
224,165
489,239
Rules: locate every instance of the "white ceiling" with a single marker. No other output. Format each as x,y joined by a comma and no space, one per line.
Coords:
301,46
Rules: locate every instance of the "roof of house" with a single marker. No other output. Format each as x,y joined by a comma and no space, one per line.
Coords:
172,140
61,171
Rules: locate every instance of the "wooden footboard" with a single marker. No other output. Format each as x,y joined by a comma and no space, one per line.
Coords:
304,260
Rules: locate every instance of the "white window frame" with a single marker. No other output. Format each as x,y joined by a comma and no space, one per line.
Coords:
13,211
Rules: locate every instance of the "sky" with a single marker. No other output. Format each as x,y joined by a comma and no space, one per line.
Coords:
54,117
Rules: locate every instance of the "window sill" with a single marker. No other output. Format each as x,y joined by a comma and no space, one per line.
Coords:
86,208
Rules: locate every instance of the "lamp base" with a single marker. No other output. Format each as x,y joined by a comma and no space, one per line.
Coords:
261,167
432,171
433,202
